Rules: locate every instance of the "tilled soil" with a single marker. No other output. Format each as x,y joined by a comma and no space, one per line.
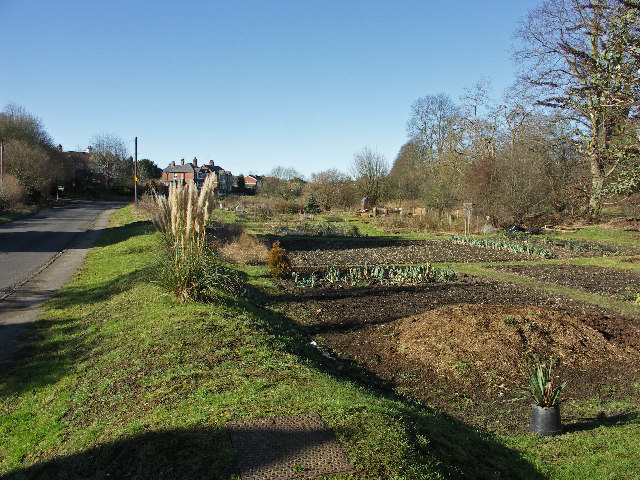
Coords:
616,283
465,346
405,253
305,252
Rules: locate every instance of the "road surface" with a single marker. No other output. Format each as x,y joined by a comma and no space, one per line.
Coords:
37,256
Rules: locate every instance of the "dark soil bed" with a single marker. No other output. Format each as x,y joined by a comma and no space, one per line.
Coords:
464,346
371,253
616,283
358,251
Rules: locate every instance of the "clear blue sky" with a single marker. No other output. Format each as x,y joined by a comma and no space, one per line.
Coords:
248,84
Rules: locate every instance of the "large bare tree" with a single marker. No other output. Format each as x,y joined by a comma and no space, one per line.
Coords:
582,57
109,153
431,123
370,170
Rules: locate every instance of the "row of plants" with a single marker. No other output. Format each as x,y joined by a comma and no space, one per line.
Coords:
319,229
500,244
374,274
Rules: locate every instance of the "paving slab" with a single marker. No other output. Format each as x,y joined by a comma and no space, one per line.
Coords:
283,448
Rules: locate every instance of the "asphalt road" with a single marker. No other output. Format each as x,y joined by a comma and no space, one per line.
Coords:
40,254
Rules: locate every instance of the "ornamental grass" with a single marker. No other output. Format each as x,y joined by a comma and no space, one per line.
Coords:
191,268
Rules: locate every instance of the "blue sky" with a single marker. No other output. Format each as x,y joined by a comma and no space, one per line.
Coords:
249,84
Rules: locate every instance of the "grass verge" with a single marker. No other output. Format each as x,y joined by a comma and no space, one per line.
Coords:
16,214
119,380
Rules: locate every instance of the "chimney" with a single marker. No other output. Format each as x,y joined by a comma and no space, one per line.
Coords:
195,162
211,163
182,161
173,163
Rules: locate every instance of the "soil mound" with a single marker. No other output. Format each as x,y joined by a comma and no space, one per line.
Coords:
628,224
460,340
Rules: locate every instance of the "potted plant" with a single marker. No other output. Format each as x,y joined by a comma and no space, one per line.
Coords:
545,412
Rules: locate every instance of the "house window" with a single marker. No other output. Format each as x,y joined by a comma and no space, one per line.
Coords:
182,176
199,174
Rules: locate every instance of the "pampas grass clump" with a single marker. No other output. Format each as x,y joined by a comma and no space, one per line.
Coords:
192,269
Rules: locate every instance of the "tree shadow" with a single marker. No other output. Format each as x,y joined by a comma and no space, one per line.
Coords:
601,420
113,235
173,454
37,363
308,243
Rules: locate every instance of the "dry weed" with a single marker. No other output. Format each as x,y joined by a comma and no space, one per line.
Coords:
245,249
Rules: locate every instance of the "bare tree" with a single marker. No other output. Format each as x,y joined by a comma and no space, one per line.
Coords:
370,170
431,123
110,155
481,119
582,57
332,188
283,182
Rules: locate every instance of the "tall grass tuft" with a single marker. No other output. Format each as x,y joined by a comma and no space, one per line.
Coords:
191,267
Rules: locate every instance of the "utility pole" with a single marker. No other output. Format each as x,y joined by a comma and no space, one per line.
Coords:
135,174
1,164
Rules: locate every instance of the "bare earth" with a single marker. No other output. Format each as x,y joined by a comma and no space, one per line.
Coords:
465,347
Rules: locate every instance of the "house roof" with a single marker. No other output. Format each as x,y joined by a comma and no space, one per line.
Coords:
186,168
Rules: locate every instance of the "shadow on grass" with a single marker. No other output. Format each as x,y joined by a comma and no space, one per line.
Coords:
307,243
77,294
447,449
175,454
41,360
602,420
451,447
113,235
40,363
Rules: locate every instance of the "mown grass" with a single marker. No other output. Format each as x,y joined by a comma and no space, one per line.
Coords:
119,380
597,233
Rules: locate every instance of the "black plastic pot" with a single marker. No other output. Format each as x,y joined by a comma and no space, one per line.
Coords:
545,420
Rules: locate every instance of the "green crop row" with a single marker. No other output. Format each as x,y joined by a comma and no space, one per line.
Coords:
497,244
381,274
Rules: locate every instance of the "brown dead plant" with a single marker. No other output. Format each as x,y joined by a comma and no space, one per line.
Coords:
245,249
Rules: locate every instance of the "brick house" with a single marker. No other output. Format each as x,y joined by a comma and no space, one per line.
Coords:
252,181
186,172
223,178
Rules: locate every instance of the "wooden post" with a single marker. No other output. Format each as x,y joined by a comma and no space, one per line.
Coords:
135,174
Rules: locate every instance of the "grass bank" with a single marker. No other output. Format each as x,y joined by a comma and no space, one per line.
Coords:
119,380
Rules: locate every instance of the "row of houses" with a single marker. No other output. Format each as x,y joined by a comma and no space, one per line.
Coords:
224,181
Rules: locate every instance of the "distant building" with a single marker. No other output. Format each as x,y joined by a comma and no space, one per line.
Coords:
186,172
253,181
85,170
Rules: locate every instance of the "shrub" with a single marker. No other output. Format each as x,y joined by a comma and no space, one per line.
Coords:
311,205
191,268
279,263
543,388
12,194
195,273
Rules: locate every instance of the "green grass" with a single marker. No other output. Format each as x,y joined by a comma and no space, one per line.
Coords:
597,233
120,380
16,214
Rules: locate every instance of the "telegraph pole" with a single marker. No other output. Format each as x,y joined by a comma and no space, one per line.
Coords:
135,174
1,164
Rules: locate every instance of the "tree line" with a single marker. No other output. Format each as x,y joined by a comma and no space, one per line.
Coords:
33,166
561,140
